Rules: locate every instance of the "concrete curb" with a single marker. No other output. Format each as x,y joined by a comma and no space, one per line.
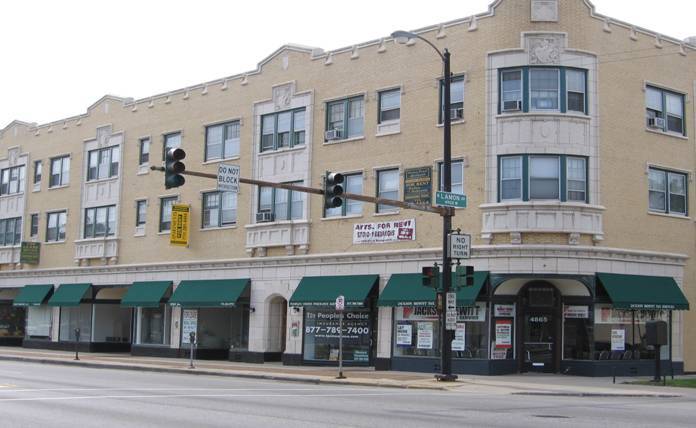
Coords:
207,372
597,394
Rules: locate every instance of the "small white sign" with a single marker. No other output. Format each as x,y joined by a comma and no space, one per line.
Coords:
383,232
451,302
576,311
228,178
404,334
340,303
189,324
504,311
459,342
425,335
618,340
460,246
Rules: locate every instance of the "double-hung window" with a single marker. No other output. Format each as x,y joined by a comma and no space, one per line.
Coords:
165,217
511,90
171,141
456,106
667,191
60,171
281,203
55,226
140,213
387,188
222,141
345,118
389,106
144,151
219,209
575,90
12,180
456,177
353,184
543,89
103,163
100,222
543,177
10,231
38,167
664,110
34,226
282,130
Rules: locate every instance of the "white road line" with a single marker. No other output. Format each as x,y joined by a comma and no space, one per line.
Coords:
102,397
181,389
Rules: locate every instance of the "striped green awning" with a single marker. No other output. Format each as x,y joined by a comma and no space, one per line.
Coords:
323,290
406,289
33,295
69,294
209,293
145,294
643,292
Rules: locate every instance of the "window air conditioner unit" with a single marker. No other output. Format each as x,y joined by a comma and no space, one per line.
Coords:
515,105
656,122
457,113
264,217
332,134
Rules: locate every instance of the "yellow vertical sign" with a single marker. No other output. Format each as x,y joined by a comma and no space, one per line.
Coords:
179,232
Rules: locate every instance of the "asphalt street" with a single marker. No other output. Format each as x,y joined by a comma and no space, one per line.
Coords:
37,395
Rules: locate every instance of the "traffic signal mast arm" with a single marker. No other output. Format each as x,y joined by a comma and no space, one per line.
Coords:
353,196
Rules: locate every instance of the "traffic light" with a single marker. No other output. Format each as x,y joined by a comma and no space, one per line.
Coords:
464,276
431,277
173,167
333,190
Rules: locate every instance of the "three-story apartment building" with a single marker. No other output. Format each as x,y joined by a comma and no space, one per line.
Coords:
572,137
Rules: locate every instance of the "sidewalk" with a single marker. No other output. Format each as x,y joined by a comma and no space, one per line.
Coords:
527,384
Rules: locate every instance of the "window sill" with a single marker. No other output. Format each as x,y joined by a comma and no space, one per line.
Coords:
62,186
139,234
97,239
677,216
278,151
212,229
37,187
397,212
101,180
277,223
11,195
343,217
143,169
454,122
165,232
386,134
346,140
8,247
55,242
573,115
668,134
216,161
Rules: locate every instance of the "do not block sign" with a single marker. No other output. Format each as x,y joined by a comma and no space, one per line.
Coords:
228,178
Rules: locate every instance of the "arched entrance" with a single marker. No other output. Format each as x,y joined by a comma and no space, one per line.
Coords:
277,323
540,327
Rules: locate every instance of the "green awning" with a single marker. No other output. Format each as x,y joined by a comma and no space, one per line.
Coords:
643,292
406,289
209,293
145,294
323,290
69,294
33,295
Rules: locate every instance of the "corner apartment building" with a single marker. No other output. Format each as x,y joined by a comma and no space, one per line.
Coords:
573,139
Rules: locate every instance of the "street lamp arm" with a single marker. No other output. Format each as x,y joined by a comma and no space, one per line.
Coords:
408,35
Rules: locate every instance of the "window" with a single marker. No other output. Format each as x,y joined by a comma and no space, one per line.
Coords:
388,188
457,177
166,204
12,180
10,231
100,222
352,184
34,229
219,209
222,141
144,154
456,99
55,226
667,191
552,89
345,118
171,141
282,130
103,163
38,166
283,204
543,177
664,110
60,171
389,106
140,213
154,325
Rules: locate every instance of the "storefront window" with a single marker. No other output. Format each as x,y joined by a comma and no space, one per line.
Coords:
112,323
577,332
39,322
76,317
503,340
217,328
154,325
417,332
620,334
322,335
11,321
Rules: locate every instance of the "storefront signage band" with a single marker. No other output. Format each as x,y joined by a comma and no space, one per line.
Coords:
475,313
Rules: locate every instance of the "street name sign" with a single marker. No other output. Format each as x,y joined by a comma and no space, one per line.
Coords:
449,199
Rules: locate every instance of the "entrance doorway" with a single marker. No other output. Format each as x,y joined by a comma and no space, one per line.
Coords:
277,326
540,328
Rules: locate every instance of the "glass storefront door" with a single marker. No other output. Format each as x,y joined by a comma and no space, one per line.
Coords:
539,341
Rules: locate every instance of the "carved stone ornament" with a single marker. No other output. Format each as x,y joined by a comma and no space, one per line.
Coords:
544,50
103,135
13,156
545,10
282,96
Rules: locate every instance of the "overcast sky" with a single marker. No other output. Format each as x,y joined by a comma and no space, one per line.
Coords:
58,57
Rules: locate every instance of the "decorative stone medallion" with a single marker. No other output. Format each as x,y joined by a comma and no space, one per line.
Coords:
545,10
282,95
544,50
